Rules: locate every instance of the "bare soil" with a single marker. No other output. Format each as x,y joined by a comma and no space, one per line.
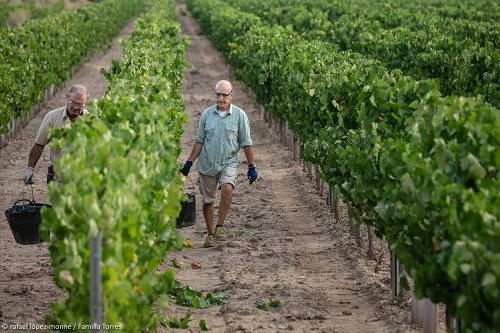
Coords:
26,285
284,243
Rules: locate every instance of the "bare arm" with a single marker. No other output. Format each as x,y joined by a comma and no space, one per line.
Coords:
249,153
35,153
195,152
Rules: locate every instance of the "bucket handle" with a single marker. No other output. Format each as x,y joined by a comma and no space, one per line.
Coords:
32,195
30,202
23,200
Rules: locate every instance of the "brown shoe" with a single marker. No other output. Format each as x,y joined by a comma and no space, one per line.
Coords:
220,233
210,241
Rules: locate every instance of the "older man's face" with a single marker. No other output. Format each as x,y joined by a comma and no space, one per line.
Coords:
75,105
224,95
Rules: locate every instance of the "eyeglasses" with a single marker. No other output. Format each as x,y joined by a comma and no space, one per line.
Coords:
222,95
77,106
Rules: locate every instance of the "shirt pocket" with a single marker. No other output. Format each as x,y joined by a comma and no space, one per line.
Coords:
232,134
209,131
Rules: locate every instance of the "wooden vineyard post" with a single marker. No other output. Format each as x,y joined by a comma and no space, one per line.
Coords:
309,170
285,136
288,137
280,125
336,209
15,122
282,131
357,230
334,204
268,120
277,127
354,228
3,140
329,197
417,308
430,316
395,276
424,313
317,174
95,282
295,147
370,253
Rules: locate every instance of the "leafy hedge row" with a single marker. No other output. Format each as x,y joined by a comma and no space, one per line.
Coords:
328,14
120,177
463,55
42,52
482,10
422,168
398,13
385,15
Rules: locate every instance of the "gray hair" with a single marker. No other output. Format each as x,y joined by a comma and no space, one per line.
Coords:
77,90
225,83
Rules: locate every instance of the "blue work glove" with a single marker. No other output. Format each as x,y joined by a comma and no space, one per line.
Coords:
252,173
186,168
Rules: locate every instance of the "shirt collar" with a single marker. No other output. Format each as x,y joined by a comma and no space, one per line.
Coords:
216,110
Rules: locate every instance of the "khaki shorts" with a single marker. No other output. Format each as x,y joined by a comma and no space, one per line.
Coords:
210,184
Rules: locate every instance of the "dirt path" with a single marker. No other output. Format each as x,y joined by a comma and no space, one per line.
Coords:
281,244
26,285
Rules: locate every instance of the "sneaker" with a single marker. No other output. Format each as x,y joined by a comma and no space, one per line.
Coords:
220,233
210,241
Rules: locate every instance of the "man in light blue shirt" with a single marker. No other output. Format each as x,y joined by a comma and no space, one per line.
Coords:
223,130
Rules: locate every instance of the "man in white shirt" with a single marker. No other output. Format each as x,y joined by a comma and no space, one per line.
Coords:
77,97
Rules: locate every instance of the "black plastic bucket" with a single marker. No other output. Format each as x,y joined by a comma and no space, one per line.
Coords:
24,219
187,216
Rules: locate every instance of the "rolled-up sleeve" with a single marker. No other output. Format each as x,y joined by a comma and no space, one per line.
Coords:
200,136
244,138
